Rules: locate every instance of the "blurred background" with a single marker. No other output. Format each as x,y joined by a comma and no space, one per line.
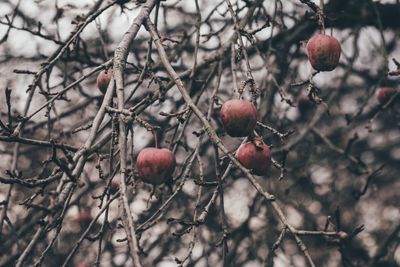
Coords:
336,147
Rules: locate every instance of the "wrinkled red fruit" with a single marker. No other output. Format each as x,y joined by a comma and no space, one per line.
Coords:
384,94
254,158
323,51
155,166
239,117
304,104
103,79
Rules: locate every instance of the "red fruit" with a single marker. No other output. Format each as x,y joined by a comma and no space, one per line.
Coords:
239,117
84,217
114,187
155,166
384,94
304,104
103,79
254,158
82,264
323,51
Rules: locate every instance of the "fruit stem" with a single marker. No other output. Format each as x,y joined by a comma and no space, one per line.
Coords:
321,15
155,137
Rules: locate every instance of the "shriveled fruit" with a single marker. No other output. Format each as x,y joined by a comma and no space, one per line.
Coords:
239,117
155,166
256,158
323,51
103,79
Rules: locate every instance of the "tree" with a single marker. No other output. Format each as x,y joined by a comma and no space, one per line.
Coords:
69,190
